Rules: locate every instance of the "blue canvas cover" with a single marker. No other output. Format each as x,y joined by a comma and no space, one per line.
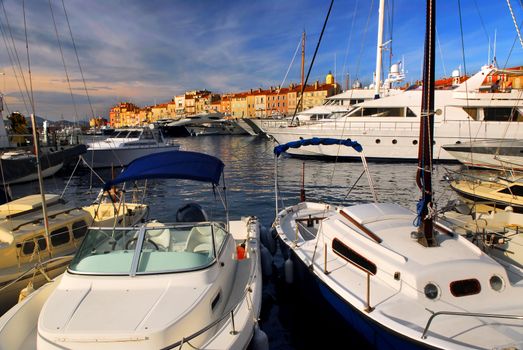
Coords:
172,165
317,141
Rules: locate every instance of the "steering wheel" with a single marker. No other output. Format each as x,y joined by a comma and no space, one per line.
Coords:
147,240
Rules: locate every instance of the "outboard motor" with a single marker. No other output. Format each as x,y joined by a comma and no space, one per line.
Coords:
191,212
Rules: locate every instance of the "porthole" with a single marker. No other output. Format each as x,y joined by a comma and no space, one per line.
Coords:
465,287
414,142
458,142
496,283
431,291
378,140
394,141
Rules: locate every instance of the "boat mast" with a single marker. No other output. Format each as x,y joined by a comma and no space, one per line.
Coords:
303,58
41,182
379,48
425,151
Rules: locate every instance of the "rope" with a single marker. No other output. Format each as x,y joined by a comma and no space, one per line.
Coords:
515,23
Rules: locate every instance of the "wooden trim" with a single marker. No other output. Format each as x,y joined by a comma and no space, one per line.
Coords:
361,227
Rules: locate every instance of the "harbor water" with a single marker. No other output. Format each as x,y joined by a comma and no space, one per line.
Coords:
290,320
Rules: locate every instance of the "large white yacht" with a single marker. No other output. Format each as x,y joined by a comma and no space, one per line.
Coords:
125,145
388,127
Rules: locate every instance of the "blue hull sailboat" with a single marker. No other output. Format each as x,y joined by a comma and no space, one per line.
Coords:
401,279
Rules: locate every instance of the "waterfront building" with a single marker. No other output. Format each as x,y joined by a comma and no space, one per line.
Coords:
225,104
277,102
120,115
97,122
159,111
260,103
239,105
179,101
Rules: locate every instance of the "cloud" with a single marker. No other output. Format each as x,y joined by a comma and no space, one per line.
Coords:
147,51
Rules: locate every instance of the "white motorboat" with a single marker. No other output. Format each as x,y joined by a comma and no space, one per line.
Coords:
125,145
193,282
29,255
402,279
491,154
205,124
388,127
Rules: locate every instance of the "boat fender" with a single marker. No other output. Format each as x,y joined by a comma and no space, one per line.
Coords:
270,240
266,260
288,269
260,341
240,251
26,291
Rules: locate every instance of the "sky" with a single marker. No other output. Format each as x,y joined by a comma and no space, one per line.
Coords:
85,59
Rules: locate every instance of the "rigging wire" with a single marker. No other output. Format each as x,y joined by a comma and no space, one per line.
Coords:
63,62
344,68
515,23
78,59
28,63
13,56
312,62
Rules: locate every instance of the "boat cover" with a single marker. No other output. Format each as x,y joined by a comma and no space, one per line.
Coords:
317,141
172,165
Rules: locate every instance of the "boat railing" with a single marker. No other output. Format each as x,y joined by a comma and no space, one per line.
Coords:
36,268
465,314
229,313
381,123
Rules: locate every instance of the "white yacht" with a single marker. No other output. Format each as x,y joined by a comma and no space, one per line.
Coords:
388,127
195,282
125,145
491,154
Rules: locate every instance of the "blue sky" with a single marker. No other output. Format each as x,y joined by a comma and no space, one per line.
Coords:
148,51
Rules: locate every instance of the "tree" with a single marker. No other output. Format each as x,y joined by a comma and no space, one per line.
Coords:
19,128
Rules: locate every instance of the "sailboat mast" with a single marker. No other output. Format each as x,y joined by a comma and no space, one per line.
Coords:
303,58
379,48
41,182
424,176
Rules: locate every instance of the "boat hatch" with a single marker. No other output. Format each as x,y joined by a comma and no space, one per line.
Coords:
353,257
514,190
153,248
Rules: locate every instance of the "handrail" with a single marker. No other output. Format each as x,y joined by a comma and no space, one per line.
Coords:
34,267
468,314
229,312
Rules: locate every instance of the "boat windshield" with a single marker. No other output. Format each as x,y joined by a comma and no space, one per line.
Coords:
153,248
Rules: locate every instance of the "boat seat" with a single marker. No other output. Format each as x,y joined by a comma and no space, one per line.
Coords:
199,240
160,236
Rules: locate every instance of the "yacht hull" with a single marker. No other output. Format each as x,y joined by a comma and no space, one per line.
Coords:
116,157
378,142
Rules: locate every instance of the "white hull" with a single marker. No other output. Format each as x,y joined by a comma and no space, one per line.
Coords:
33,177
105,158
381,141
493,154
363,257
